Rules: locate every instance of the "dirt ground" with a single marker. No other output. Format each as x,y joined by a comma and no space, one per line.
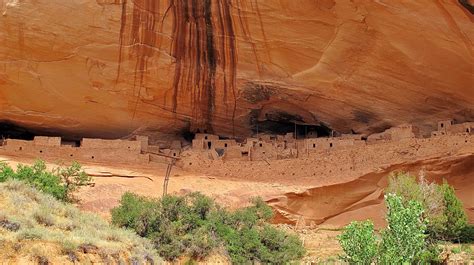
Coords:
110,182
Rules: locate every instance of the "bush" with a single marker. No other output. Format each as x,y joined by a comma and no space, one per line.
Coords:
137,213
359,243
279,247
403,241
467,234
61,182
194,225
72,178
5,171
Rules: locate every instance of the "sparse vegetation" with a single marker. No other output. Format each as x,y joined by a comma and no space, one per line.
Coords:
59,182
194,225
28,216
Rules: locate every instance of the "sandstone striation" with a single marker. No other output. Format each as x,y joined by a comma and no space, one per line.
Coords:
110,68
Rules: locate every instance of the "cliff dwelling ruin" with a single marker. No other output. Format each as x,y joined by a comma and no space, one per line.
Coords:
260,147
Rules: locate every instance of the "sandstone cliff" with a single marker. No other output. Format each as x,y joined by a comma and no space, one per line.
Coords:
109,68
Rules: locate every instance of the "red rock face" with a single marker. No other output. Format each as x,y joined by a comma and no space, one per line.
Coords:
108,68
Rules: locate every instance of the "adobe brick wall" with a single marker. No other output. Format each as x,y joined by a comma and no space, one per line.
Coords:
206,136
93,150
143,142
223,144
133,146
233,152
47,141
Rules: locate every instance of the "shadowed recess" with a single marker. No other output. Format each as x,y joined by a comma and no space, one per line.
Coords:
467,5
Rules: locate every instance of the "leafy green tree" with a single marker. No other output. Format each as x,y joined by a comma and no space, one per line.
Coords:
456,219
359,243
403,241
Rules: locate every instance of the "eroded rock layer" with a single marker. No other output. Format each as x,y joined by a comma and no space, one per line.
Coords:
108,68
363,198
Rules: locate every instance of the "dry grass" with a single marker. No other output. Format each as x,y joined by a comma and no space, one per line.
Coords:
37,226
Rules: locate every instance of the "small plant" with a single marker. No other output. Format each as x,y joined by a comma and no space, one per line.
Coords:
5,171
72,178
44,217
359,243
456,250
466,248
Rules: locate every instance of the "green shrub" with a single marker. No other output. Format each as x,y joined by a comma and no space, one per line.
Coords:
431,255
403,241
194,225
138,213
456,250
278,246
61,182
41,179
5,171
467,234
359,243
72,178
200,243
456,219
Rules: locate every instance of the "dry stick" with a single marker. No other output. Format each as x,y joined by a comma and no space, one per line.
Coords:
266,160
116,176
167,178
